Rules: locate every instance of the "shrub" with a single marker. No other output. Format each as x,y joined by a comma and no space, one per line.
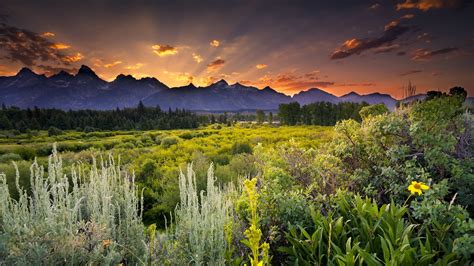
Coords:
54,131
373,110
8,157
169,141
78,219
241,147
201,218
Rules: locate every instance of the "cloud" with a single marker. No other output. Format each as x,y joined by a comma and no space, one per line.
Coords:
375,6
115,63
206,81
425,37
215,65
410,72
426,5
30,48
51,70
135,67
215,43
48,34
386,48
5,71
180,76
290,81
60,46
73,58
164,50
392,31
260,66
364,84
197,58
424,54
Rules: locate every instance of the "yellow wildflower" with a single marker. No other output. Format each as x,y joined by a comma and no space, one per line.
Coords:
106,243
417,187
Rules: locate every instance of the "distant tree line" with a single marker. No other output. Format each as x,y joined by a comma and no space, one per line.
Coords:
140,118
320,113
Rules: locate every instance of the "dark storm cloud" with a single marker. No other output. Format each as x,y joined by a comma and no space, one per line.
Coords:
384,43
410,72
29,48
426,5
424,54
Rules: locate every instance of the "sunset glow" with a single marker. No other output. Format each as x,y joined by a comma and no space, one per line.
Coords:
364,47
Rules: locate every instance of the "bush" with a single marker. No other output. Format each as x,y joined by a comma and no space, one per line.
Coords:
201,218
96,222
241,147
8,157
169,141
373,110
54,131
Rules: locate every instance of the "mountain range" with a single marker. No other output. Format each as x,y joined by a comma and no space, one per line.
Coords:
86,90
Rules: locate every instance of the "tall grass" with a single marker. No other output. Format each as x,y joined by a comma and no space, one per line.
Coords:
90,216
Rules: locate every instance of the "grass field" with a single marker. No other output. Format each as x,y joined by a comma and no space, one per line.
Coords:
157,156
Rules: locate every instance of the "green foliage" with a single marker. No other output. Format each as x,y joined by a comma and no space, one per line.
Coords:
373,110
319,113
289,113
142,118
253,234
429,140
356,231
54,131
241,147
169,141
260,116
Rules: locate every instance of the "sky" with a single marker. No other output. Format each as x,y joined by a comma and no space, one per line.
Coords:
338,46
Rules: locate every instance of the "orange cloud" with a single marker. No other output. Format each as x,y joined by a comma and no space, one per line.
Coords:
215,43
60,46
109,65
261,66
424,54
164,50
181,77
290,82
135,67
197,58
206,81
48,34
73,58
426,5
215,65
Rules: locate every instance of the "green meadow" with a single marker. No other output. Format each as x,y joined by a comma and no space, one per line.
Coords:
390,188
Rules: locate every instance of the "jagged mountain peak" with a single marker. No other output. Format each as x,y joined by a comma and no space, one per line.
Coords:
123,77
25,71
221,83
86,71
62,74
352,93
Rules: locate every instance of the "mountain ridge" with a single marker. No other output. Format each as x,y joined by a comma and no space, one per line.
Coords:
86,90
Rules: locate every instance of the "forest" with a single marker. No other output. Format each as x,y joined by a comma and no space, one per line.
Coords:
332,184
